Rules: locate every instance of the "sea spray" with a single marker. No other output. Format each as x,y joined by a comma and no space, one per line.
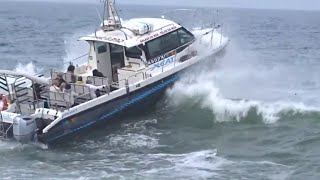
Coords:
202,88
75,49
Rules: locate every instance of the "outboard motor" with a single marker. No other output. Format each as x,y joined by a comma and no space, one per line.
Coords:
24,128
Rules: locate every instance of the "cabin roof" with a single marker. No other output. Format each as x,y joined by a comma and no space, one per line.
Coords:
125,36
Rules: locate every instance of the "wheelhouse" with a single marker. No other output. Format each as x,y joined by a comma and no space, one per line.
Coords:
124,55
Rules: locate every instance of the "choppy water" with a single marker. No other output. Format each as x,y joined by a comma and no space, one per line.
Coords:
272,130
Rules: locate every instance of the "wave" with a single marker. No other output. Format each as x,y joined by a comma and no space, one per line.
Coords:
201,87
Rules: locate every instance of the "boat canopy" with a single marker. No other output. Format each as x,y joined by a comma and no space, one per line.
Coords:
134,32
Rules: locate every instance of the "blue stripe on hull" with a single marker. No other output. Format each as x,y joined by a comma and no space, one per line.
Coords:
66,128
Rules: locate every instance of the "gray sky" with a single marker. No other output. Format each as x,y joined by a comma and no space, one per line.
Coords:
264,4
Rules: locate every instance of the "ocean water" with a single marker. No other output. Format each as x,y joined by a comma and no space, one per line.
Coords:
255,114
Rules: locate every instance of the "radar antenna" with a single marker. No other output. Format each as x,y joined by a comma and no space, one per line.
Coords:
111,19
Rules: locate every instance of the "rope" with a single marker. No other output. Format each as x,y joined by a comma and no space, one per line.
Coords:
76,58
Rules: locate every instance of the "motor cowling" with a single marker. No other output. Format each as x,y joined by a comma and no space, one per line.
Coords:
24,128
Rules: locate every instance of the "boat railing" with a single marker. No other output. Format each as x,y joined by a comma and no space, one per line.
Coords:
189,52
82,96
135,75
146,72
3,129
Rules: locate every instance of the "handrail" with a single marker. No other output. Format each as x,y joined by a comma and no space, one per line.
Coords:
82,95
118,82
135,75
186,44
144,72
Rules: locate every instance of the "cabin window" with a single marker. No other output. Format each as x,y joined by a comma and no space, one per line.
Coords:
154,48
163,44
168,42
102,47
133,52
185,36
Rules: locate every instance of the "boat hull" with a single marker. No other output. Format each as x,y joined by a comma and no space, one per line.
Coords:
111,111
139,100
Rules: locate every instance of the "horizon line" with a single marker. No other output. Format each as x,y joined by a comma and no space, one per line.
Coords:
165,5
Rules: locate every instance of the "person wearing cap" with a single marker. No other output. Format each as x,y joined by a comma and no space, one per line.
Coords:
70,70
94,90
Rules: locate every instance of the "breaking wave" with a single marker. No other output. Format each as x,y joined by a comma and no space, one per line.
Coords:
202,88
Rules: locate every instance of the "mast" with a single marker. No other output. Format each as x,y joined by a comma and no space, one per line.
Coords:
111,19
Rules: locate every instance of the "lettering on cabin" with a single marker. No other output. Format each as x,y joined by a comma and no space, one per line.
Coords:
162,57
164,62
113,39
157,34
157,59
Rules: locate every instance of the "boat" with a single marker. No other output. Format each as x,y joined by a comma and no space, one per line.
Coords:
130,63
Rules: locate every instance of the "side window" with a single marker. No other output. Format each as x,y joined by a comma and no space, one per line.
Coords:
115,48
185,36
170,41
133,52
102,48
163,44
154,47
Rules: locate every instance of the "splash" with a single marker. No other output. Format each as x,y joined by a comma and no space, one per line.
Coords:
208,40
75,51
202,88
29,68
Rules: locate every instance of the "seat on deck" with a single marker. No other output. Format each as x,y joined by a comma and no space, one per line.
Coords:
100,81
65,76
80,89
59,100
83,91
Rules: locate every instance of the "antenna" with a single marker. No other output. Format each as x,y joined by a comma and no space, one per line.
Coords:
111,19
99,15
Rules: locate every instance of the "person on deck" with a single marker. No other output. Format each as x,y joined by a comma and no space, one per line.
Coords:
60,79
94,90
56,86
73,95
70,70
11,105
96,73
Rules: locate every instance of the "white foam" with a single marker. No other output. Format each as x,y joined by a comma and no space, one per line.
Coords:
202,87
195,165
133,141
206,43
29,68
75,49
